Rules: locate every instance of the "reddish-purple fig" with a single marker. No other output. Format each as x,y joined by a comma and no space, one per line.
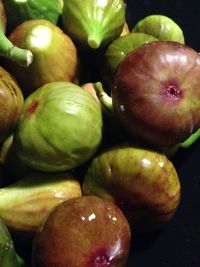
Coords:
156,92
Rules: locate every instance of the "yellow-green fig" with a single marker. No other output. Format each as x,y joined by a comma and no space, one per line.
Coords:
93,23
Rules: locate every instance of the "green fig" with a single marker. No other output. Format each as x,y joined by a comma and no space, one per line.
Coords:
60,127
20,11
142,182
8,50
8,255
161,27
11,103
55,55
118,50
92,23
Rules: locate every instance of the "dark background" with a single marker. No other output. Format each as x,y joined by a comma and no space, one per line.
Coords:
178,243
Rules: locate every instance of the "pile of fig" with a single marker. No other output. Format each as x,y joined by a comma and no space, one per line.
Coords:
92,113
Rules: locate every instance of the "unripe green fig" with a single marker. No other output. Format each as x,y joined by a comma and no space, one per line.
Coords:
55,55
142,182
8,255
20,11
161,27
11,103
60,127
93,23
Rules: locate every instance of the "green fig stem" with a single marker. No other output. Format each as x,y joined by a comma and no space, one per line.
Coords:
104,98
22,57
191,139
20,261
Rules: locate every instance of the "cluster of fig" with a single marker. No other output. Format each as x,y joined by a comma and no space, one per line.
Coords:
83,168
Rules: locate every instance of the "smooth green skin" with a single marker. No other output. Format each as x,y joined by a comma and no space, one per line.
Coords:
20,11
8,256
143,183
119,49
60,127
93,23
161,27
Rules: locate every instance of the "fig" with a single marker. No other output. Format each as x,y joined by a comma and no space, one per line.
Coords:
60,127
25,203
8,255
55,55
20,11
93,24
8,50
161,27
11,103
143,183
116,52
84,231
156,93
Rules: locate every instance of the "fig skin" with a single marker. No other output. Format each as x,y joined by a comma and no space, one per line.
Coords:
85,231
55,55
156,93
60,127
93,24
11,104
142,182
161,27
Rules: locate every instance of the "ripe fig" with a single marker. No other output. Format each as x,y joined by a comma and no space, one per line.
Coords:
161,27
59,129
55,55
142,182
156,93
11,103
86,231
93,24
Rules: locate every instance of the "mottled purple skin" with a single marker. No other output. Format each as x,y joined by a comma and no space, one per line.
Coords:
86,231
143,183
156,92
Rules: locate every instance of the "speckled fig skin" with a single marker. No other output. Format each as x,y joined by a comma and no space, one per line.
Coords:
11,103
87,231
55,55
143,183
156,92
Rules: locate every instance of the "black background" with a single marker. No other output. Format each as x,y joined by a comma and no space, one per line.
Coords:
178,243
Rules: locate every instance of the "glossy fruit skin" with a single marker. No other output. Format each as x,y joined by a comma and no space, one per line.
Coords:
143,183
11,103
93,24
156,92
86,231
116,52
20,11
60,127
161,27
55,55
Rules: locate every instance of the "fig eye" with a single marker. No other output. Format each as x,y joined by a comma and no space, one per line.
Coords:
173,91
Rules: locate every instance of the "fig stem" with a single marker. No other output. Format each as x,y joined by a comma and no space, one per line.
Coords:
21,56
104,98
93,42
191,139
